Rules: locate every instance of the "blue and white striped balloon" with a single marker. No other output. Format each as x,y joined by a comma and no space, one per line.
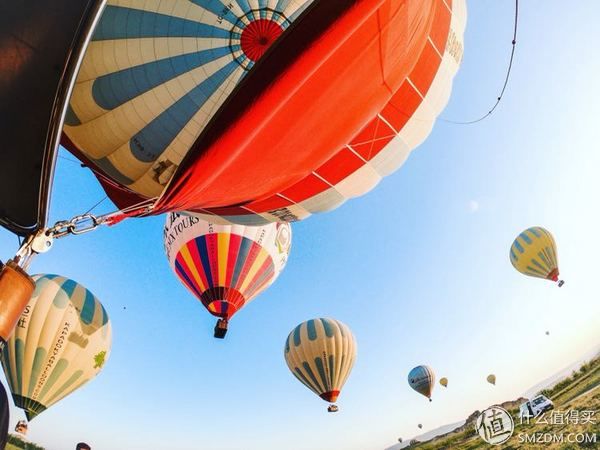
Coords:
156,72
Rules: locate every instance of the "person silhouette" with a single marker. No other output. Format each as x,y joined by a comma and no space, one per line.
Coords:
4,416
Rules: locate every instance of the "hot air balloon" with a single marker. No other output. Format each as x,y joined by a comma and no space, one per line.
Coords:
491,378
320,353
533,253
444,381
225,266
420,426
244,111
422,380
62,341
547,333
399,439
200,109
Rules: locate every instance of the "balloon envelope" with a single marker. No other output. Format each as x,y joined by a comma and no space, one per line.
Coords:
444,381
61,341
320,353
422,380
225,266
533,253
220,107
491,379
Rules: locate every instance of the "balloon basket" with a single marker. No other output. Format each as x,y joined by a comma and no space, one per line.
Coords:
221,328
332,408
16,288
561,282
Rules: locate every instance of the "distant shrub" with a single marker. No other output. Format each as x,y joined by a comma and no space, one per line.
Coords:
21,444
575,375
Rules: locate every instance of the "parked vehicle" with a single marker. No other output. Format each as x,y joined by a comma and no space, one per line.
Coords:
536,406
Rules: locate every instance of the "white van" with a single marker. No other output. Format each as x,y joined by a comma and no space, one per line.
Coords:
536,406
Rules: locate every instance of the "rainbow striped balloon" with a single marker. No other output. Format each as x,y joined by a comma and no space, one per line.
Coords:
533,253
62,341
225,266
320,353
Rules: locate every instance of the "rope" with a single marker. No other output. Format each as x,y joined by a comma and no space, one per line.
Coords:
70,160
512,55
97,204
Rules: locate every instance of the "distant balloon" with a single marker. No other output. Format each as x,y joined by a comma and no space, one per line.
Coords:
422,380
420,426
533,253
444,381
399,439
547,333
61,341
320,353
225,266
491,378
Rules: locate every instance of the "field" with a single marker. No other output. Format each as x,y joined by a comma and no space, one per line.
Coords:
580,392
17,444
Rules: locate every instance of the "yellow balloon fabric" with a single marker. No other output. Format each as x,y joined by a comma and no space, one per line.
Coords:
62,341
533,253
491,379
320,353
444,381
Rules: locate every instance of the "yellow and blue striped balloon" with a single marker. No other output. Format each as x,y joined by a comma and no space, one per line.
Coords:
533,253
320,353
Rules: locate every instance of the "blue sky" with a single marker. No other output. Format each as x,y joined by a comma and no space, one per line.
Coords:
418,269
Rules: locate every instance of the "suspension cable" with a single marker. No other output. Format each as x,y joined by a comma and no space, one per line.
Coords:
508,70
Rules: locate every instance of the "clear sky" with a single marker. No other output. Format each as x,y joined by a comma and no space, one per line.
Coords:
418,269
